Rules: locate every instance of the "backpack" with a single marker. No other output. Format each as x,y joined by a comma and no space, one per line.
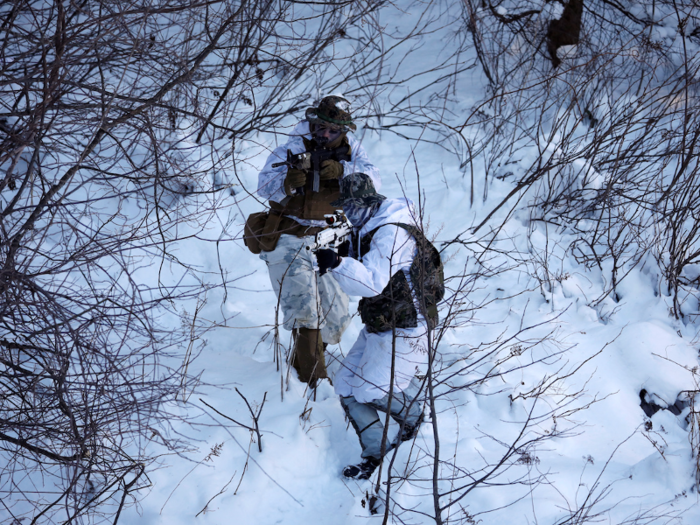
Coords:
394,307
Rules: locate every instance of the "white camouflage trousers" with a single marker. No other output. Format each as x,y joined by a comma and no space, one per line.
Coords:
307,299
406,408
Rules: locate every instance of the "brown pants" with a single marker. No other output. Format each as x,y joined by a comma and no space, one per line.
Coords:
308,357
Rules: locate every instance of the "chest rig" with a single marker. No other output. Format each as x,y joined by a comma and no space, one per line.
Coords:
314,201
394,307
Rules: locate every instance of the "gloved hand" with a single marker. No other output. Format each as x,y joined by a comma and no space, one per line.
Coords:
331,169
344,249
327,259
295,179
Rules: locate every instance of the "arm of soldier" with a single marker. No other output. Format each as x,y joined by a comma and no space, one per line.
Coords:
391,250
360,162
271,180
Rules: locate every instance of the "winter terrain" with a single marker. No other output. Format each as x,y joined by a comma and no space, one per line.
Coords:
607,459
571,369
538,374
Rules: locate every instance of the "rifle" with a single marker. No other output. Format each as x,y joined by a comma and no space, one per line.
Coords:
338,232
300,161
312,160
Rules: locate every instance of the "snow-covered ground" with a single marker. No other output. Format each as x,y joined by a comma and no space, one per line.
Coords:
525,349
537,381
538,387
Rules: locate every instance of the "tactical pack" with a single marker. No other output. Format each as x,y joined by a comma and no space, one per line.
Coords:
394,307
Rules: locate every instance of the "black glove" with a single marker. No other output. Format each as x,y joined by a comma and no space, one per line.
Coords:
344,249
327,259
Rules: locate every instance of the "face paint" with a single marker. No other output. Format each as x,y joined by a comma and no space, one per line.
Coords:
324,135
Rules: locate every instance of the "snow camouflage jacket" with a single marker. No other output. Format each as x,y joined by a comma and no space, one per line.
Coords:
271,180
366,371
392,249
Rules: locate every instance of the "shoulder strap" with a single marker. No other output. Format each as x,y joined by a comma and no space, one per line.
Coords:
412,230
366,239
427,268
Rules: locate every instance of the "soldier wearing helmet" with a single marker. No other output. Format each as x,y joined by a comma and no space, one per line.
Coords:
314,307
386,266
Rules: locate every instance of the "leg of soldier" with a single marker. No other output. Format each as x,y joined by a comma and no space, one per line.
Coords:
334,305
306,300
293,278
302,296
366,422
308,357
345,378
405,408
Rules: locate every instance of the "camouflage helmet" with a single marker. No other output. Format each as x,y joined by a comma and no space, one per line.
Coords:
333,111
357,189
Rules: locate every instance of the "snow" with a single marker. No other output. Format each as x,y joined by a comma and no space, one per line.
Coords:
597,359
539,364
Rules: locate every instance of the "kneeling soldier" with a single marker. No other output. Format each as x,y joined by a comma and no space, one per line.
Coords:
315,310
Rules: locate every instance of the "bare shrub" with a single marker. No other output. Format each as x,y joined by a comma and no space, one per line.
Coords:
119,123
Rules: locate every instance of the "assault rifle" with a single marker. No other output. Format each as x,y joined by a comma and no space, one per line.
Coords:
300,161
338,232
312,160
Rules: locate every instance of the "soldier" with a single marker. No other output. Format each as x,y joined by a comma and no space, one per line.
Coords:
314,307
384,268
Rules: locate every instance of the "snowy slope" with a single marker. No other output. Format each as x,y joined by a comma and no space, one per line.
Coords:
538,379
589,449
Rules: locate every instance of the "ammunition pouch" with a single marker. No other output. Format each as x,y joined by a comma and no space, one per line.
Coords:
259,232
391,309
427,276
262,230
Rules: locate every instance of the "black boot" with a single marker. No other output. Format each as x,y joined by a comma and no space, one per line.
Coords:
411,431
362,471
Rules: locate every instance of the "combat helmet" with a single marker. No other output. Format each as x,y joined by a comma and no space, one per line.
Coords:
333,111
357,189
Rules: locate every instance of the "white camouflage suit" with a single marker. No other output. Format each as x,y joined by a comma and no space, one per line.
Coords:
365,375
307,300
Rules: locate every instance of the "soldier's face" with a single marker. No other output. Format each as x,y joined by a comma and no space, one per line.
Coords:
358,214
324,135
